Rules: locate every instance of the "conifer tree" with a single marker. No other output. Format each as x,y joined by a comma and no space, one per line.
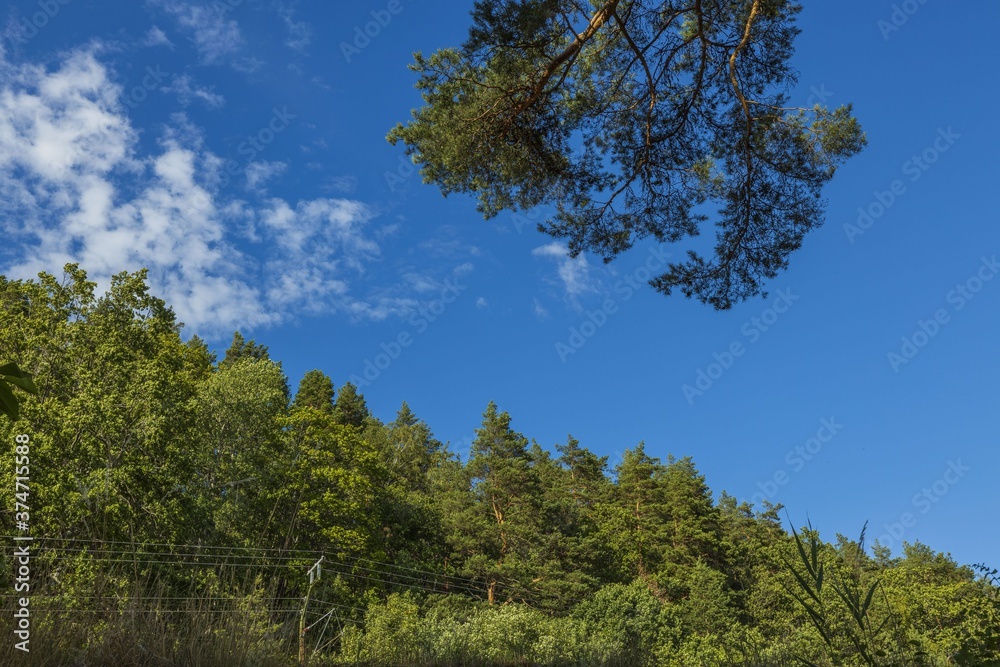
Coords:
315,391
350,407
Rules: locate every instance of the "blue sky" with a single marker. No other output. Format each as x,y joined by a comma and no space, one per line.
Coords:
237,149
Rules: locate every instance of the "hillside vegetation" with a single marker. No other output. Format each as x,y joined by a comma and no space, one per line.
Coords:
178,501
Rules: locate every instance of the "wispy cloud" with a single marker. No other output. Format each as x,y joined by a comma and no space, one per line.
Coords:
216,36
539,310
341,184
65,146
186,90
258,173
77,187
329,231
156,37
299,33
574,272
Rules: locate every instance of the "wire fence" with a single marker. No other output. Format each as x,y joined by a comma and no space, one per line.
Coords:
78,581
264,559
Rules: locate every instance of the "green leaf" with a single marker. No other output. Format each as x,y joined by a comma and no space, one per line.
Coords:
868,599
803,584
11,374
8,402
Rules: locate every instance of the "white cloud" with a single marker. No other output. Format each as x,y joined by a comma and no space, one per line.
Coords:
65,144
574,272
539,310
246,64
216,36
299,32
420,283
385,231
186,91
321,226
156,37
77,189
481,302
258,173
381,308
343,184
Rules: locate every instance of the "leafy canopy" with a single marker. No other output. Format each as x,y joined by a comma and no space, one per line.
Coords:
630,119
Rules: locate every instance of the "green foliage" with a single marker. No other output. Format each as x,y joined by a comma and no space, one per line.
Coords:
842,603
178,504
627,119
237,410
350,408
315,391
241,349
626,621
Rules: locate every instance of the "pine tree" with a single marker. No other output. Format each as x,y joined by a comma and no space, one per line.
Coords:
642,511
508,497
350,407
630,120
315,391
243,349
249,349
